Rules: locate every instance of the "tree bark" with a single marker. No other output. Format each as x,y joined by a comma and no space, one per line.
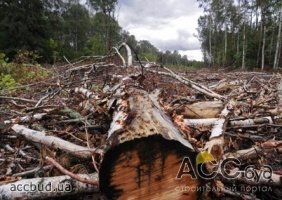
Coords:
27,118
244,48
54,142
276,58
232,123
238,42
257,13
146,151
271,41
263,48
259,43
210,41
120,56
216,140
225,44
203,109
129,54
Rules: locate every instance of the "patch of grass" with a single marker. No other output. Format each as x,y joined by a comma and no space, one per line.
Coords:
24,73
13,74
7,83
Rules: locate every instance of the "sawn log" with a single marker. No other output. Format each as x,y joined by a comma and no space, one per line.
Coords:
146,152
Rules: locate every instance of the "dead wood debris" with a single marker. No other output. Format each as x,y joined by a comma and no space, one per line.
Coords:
231,115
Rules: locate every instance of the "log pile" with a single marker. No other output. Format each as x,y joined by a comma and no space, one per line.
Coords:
117,130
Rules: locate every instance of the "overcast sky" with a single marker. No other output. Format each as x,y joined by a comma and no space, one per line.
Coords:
167,24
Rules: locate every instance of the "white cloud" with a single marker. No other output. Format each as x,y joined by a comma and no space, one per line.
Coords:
193,54
167,24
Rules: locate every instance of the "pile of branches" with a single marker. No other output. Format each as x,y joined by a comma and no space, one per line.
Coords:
59,129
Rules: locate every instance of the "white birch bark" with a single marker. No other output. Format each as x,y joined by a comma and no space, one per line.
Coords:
121,57
276,58
244,47
263,48
54,142
129,55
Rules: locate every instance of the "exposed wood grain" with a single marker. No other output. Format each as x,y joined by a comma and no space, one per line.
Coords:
146,168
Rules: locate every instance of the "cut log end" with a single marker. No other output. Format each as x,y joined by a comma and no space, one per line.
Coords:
146,168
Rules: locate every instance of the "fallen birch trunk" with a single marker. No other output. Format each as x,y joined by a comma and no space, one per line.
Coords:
88,94
129,54
220,124
24,119
232,123
216,140
199,122
47,187
250,122
120,56
55,142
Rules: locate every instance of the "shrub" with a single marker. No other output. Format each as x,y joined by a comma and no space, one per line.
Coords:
23,71
7,83
26,57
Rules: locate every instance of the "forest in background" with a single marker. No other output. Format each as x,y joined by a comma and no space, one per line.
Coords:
241,33
52,29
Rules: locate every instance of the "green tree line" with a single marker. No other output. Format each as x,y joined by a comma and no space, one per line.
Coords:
71,28
56,28
242,33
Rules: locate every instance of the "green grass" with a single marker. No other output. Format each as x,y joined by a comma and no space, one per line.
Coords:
13,75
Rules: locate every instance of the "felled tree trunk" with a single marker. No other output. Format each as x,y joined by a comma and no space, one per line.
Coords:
201,110
146,152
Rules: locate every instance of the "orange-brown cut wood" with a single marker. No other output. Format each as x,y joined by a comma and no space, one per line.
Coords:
146,168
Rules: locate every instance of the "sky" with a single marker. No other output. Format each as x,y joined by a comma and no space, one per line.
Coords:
167,24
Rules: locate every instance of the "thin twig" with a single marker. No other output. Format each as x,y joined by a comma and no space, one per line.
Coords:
18,99
88,145
72,175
